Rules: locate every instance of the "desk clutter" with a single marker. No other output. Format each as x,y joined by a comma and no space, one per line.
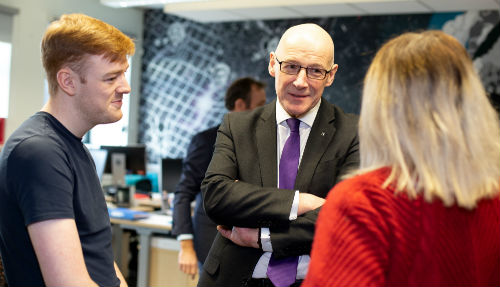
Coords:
140,208
139,191
125,213
132,233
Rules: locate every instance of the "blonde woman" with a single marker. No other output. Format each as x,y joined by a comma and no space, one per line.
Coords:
424,207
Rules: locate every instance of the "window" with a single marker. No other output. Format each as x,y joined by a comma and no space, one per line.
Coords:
5,52
5,55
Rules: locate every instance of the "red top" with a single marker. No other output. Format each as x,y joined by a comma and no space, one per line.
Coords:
368,236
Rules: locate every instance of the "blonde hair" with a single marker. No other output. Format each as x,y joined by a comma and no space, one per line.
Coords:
70,39
426,115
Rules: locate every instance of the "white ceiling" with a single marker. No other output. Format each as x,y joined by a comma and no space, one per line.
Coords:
242,10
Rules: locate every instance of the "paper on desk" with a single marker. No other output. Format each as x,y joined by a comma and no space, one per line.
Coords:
158,219
125,213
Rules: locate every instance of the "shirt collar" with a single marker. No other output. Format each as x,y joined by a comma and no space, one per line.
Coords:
308,118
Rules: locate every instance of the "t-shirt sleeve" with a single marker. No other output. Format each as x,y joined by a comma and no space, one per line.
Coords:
350,243
40,175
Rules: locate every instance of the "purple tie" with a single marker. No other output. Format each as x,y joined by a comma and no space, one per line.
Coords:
282,272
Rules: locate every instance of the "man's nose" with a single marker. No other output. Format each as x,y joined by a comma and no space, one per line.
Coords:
124,87
301,79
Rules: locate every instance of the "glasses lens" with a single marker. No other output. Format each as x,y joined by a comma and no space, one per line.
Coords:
290,68
294,69
315,73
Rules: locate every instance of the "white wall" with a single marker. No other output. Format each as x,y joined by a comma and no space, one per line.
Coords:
27,74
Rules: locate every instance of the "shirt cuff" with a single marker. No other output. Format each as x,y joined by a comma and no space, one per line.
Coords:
265,233
181,237
265,239
295,206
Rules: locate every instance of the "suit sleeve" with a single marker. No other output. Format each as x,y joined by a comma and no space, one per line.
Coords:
231,201
193,171
351,159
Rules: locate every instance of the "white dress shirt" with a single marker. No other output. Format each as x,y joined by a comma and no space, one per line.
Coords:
283,132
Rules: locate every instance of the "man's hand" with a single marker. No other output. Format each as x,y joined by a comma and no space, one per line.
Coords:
308,202
188,263
123,282
246,237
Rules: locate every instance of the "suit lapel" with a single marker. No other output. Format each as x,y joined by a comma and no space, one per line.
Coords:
266,145
320,136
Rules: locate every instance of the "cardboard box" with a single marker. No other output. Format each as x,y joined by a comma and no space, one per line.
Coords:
163,267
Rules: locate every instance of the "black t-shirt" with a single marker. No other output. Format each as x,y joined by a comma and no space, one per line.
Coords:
47,173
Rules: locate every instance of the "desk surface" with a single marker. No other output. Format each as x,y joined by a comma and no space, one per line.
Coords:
154,221
153,203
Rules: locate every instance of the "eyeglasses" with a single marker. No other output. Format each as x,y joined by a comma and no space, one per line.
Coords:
294,69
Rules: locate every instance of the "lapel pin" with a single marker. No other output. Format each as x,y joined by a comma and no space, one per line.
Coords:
323,134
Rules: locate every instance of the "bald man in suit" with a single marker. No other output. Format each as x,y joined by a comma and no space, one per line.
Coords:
196,233
260,222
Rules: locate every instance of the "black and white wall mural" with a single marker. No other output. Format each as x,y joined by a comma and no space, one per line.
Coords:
187,66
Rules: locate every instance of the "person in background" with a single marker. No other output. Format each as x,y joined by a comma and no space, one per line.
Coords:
197,234
54,224
424,208
273,166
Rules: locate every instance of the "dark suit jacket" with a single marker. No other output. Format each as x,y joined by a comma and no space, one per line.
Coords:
195,164
245,150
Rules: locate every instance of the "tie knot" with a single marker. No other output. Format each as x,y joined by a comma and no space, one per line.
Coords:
293,124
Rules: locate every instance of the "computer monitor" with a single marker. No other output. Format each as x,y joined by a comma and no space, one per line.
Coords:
171,170
135,158
99,156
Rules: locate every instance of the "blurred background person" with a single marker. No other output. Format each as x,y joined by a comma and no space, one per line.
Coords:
424,207
197,234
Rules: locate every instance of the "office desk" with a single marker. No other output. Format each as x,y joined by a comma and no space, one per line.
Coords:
156,223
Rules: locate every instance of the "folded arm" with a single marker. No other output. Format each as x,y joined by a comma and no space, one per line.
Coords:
296,237
231,199
308,208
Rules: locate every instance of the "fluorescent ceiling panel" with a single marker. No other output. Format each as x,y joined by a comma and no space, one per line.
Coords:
208,16
266,13
327,10
461,5
395,7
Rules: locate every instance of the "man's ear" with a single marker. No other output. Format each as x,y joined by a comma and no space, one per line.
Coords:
331,76
67,80
240,105
272,62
